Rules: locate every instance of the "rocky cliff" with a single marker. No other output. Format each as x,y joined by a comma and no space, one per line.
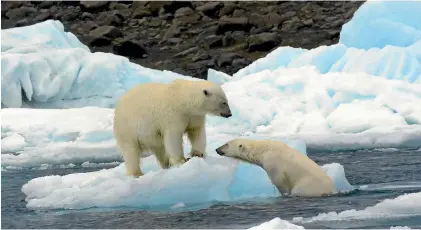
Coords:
190,37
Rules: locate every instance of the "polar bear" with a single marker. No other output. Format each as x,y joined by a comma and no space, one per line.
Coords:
154,117
289,170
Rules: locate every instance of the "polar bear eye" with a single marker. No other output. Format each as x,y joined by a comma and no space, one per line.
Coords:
240,146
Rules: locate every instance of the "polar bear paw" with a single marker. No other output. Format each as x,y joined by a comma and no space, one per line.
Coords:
177,162
195,153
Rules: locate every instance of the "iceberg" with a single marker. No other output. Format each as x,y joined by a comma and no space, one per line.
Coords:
393,53
199,183
276,223
402,206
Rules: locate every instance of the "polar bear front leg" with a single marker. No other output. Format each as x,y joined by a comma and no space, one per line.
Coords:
197,138
173,142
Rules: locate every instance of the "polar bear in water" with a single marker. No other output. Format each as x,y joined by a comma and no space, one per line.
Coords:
289,170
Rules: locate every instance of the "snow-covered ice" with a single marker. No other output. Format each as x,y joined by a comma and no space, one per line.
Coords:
276,223
401,206
195,184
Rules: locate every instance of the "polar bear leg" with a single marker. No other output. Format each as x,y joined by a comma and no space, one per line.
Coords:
173,142
131,156
307,187
197,138
161,156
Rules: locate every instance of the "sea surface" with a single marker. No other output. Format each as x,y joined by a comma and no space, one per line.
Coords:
387,174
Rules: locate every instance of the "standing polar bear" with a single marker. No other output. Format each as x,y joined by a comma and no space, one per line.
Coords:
289,170
155,116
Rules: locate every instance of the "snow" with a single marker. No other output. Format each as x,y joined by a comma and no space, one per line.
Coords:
276,223
401,206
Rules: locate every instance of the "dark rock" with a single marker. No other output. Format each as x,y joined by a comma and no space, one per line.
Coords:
308,22
86,15
93,6
117,6
288,15
70,3
46,4
137,4
239,63
167,16
210,8
259,30
124,14
228,8
99,41
212,41
291,25
226,59
172,31
172,6
239,13
206,32
153,23
273,19
70,16
129,48
228,40
262,42
113,19
42,17
167,6
185,11
333,34
87,26
257,20
187,52
337,23
174,41
238,36
187,19
231,24
106,31
8,5
23,22
18,13
140,12
200,57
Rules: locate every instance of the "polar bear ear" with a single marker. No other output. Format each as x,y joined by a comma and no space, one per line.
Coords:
206,93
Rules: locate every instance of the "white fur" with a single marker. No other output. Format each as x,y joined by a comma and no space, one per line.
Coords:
155,116
289,170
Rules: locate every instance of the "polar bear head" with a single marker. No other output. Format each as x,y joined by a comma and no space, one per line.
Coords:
204,97
243,149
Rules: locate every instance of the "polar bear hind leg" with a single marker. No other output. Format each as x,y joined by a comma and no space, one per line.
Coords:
309,187
131,154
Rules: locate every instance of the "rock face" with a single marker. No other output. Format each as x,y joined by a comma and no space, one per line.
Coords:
189,37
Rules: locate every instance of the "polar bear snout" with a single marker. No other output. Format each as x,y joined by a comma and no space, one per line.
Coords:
226,115
219,151
225,110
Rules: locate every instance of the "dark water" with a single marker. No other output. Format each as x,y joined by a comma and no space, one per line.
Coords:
375,168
